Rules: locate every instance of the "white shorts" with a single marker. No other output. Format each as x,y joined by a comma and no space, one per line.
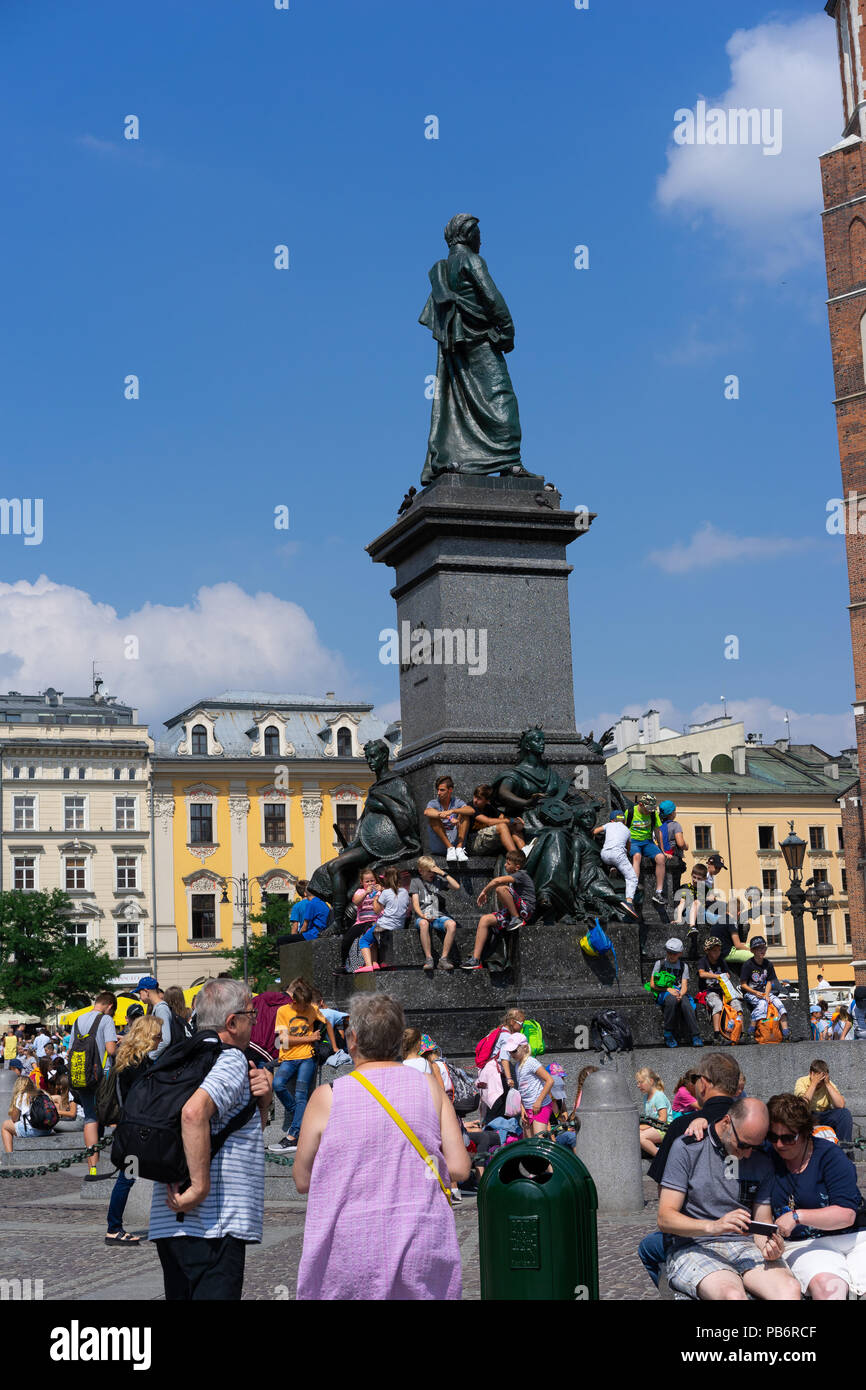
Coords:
844,1255
759,1007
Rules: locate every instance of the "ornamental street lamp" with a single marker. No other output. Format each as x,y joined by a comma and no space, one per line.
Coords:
817,895
242,901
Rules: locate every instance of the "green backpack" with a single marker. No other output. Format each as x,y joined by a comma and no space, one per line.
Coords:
532,1032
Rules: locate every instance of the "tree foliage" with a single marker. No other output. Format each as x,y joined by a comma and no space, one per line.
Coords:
41,969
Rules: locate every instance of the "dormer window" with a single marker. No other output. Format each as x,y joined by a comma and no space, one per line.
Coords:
272,742
199,739
344,743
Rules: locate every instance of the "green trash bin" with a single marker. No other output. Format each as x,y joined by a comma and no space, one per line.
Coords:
537,1224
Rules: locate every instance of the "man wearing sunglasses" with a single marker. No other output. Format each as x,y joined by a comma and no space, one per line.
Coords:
202,1229
714,1086
711,1190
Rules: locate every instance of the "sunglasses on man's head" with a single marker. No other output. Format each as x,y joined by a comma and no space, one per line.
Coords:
740,1144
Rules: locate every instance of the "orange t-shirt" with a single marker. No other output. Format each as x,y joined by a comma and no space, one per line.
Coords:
299,1021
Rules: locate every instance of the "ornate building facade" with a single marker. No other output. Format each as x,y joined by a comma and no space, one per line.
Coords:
249,785
74,814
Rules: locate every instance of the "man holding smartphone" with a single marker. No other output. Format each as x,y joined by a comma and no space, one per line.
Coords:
712,1192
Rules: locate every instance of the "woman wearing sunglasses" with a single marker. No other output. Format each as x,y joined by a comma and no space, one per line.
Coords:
816,1204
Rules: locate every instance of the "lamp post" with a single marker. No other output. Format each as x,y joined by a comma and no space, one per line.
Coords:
242,900
817,895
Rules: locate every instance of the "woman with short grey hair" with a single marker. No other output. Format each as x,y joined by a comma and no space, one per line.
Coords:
376,1153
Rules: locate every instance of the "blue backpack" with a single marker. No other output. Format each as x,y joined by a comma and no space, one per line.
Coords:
596,942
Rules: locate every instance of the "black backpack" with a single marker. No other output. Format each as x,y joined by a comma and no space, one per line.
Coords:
609,1032
108,1102
43,1112
465,1093
149,1130
84,1061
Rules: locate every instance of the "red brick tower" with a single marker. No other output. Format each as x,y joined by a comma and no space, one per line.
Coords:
843,176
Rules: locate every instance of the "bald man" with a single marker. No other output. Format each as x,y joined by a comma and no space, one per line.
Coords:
711,1189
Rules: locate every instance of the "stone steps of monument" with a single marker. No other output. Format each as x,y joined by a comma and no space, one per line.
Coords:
550,977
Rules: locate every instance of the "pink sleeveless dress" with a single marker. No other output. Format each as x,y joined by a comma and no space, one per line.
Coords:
378,1224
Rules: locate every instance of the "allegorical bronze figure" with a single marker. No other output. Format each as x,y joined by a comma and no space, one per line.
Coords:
474,426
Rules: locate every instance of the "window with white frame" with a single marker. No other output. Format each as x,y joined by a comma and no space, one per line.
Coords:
117,773
67,773
24,873
203,916
127,940
16,772
74,811
127,871
24,812
31,773
76,932
75,873
201,823
275,823
124,813
82,773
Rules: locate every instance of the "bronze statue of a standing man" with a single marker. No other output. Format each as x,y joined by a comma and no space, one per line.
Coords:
475,426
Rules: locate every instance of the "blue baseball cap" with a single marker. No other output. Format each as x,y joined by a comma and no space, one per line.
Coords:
667,808
147,982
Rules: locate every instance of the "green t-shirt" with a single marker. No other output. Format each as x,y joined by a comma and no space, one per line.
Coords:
643,823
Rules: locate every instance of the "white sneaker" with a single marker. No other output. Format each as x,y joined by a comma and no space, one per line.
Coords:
456,1194
451,856
460,854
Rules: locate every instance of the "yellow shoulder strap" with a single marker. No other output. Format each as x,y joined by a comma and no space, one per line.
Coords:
401,1124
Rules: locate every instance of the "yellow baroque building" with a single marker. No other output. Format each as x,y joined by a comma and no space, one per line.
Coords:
740,804
251,786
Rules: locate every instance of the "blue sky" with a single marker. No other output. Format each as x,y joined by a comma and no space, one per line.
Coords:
305,387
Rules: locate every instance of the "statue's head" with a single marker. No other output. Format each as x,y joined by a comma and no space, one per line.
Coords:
532,740
377,754
462,230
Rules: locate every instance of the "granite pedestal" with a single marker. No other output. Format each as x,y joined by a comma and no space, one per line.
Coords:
482,561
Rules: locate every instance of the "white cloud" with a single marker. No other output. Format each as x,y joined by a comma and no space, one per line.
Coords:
767,205
224,639
709,547
388,712
92,142
694,347
832,732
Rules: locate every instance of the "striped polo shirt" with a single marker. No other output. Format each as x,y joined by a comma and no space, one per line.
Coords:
235,1204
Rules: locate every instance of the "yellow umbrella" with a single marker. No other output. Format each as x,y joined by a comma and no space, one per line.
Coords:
120,1016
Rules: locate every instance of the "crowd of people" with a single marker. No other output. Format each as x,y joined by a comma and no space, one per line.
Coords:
755,1198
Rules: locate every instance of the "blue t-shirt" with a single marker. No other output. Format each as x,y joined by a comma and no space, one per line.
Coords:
315,918
298,911
829,1180
449,826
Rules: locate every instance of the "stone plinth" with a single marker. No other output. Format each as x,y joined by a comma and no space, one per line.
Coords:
483,561
550,977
